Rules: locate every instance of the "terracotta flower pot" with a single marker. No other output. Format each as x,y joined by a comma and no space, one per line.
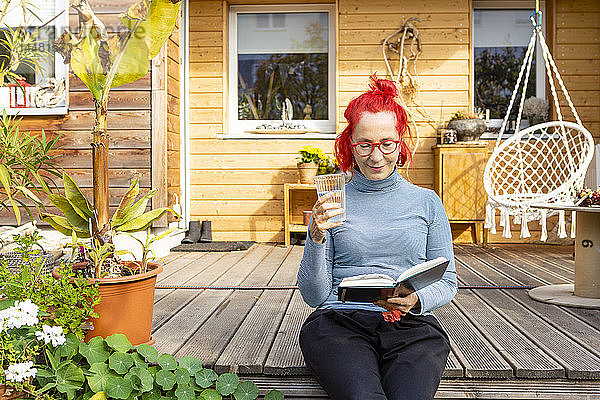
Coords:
126,306
308,171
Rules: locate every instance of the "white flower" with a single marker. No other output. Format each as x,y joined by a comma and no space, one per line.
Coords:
20,371
51,334
23,313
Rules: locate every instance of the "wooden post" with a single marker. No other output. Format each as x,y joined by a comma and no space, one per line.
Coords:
159,132
100,167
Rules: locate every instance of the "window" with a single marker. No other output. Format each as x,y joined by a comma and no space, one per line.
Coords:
45,91
281,57
500,39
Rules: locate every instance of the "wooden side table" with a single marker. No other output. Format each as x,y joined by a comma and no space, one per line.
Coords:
458,180
297,197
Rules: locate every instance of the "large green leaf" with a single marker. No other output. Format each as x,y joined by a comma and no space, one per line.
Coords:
126,202
134,210
60,224
134,60
143,221
100,372
95,351
144,379
6,183
74,219
155,21
118,388
120,362
210,394
227,383
78,201
205,377
167,362
184,392
165,379
274,395
246,390
83,56
192,364
148,352
119,342
69,377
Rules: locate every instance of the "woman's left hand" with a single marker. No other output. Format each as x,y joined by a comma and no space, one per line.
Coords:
402,304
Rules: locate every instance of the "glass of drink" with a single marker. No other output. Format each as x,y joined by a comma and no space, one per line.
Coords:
335,183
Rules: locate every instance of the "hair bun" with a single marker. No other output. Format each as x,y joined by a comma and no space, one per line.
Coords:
383,87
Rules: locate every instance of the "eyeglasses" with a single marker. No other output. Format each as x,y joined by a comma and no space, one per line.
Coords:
365,149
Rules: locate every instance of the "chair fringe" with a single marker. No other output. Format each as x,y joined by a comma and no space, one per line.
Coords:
506,232
562,231
573,224
544,235
524,230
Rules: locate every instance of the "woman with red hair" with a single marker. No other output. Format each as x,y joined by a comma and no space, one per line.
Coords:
392,349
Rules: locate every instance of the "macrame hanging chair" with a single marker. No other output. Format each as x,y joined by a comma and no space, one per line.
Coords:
544,164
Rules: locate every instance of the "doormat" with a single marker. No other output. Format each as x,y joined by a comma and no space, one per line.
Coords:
214,246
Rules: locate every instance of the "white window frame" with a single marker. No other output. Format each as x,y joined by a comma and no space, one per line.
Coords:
236,128
60,69
539,68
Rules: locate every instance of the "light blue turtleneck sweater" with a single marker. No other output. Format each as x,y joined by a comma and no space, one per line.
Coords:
390,226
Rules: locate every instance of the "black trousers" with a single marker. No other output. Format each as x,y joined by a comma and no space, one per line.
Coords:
355,354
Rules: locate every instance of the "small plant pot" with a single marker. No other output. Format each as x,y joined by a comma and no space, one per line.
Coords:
126,305
307,171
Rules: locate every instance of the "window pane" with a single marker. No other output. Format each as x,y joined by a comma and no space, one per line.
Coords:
283,55
500,42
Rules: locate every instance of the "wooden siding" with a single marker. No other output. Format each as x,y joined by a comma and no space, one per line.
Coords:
238,184
129,125
173,113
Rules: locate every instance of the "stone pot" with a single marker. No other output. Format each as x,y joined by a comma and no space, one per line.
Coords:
126,305
467,129
307,171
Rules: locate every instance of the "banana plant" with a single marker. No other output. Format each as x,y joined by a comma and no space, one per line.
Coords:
103,62
79,217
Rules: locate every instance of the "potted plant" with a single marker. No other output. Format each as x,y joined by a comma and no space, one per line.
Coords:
468,127
536,110
308,163
42,355
126,289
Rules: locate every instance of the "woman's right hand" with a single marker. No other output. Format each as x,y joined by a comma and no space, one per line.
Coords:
321,213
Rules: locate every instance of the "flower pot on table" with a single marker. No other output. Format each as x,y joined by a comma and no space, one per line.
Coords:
126,305
307,171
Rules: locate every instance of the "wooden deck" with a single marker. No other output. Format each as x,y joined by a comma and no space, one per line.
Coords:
504,345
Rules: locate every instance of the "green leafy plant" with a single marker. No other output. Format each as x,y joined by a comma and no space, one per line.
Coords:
103,62
67,301
463,115
329,165
24,159
310,154
147,253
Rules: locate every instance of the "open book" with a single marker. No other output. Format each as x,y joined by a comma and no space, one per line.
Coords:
371,287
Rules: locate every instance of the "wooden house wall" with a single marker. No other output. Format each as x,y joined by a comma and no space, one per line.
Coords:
173,114
238,184
129,124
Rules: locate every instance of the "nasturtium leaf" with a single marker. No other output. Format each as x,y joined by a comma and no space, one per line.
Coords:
119,342
165,379
100,372
184,392
153,369
149,353
246,390
274,395
145,380
227,383
192,364
95,351
69,377
210,394
182,376
168,362
154,394
118,388
139,360
120,362
205,377
69,348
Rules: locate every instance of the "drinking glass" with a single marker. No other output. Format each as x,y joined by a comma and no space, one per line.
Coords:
335,183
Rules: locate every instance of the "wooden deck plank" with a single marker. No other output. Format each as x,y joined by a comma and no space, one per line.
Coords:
285,357
209,340
261,324
172,267
177,299
526,358
522,389
187,319
581,331
453,368
577,361
478,356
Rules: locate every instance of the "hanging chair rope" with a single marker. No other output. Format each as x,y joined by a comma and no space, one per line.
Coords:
542,164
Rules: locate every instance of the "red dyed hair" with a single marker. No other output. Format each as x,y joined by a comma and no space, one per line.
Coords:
381,96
